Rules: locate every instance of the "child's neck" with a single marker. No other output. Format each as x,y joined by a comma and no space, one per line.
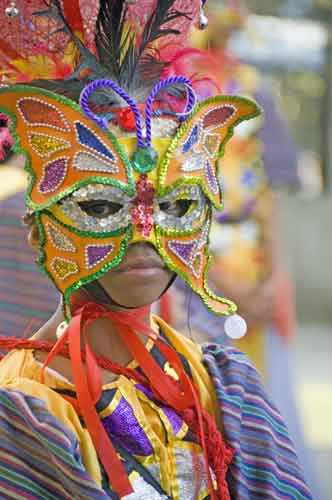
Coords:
103,338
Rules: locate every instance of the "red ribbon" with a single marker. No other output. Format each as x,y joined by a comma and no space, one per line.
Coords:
181,396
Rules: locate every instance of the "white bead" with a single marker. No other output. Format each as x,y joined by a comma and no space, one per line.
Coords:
203,21
61,329
235,327
12,11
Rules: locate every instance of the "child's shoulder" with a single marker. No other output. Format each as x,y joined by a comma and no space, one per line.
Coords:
16,364
232,363
265,459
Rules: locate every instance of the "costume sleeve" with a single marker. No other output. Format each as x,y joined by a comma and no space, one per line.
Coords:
280,154
265,465
39,458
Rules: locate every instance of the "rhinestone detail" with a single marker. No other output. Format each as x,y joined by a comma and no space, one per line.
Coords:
63,268
54,174
46,145
144,159
88,138
91,162
59,240
94,254
36,112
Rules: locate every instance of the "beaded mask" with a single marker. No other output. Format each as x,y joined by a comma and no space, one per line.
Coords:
155,190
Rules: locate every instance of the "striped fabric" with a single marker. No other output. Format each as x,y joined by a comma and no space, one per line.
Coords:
39,459
265,464
25,293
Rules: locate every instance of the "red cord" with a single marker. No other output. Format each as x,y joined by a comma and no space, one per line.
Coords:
181,396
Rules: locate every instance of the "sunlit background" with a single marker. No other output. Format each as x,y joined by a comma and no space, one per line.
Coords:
290,42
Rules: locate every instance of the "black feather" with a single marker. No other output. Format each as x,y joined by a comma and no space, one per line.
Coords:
110,37
73,85
134,66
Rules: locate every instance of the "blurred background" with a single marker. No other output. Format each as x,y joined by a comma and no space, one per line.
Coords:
290,41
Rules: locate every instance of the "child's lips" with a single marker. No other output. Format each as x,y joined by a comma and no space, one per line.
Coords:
140,265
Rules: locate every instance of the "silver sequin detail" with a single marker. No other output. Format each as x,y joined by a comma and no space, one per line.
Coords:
91,162
59,240
84,222
161,128
191,474
195,162
144,491
167,221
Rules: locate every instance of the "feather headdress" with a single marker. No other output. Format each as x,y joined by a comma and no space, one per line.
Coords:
129,44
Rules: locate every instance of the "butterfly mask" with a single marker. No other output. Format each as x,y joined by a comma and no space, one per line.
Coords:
93,193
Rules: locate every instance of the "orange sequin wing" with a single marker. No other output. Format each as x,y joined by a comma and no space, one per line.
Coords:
194,158
64,149
194,154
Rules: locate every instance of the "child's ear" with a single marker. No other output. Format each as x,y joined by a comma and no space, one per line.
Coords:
33,236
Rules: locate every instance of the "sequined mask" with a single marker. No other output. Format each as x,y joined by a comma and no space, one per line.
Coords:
94,193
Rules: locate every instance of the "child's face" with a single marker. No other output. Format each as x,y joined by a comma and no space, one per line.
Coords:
140,279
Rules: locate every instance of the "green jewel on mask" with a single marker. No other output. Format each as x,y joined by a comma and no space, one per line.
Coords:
144,159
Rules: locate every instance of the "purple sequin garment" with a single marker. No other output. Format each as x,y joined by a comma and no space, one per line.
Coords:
174,419
123,424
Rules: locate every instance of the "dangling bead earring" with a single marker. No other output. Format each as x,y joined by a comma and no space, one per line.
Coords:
61,328
203,21
12,10
235,327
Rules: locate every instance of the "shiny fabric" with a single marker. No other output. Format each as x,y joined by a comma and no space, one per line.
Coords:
64,464
152,434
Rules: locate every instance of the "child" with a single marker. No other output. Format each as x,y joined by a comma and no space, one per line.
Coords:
104,401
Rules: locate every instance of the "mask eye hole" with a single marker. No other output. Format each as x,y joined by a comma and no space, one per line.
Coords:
100,208
178,208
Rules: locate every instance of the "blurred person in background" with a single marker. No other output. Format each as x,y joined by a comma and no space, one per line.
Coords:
27,298
245,238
